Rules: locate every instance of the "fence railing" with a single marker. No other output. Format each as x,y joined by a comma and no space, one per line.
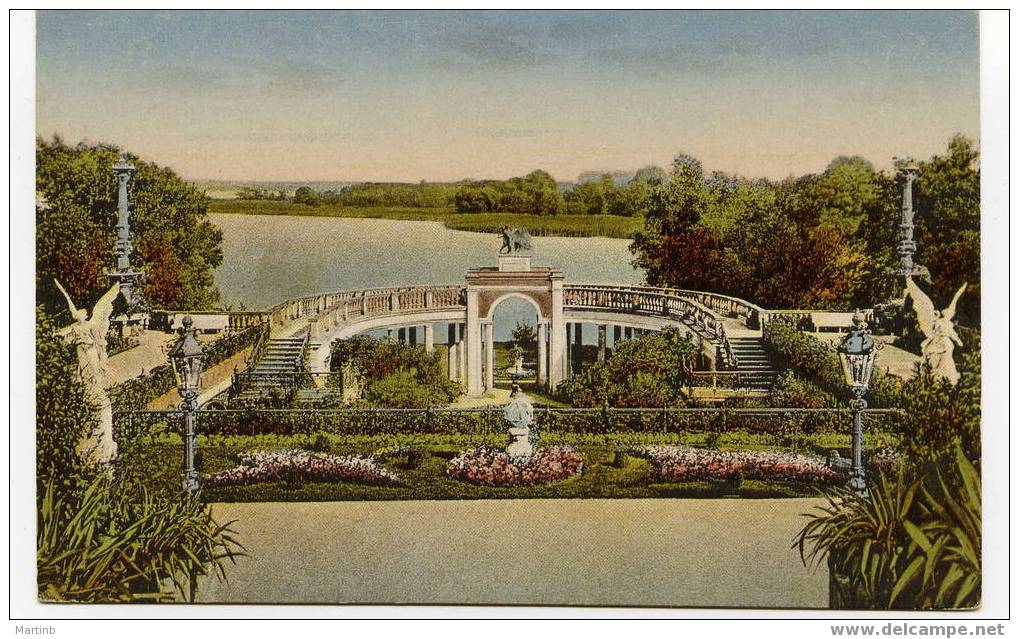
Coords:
132,427
646,301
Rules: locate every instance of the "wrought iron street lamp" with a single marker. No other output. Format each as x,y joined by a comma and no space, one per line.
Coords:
186,357
858,352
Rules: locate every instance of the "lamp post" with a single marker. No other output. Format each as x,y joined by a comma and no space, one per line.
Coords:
858,353
186,358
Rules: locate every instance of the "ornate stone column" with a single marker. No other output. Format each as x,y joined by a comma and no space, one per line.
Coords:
602,338
557,336
429,338
906,247
578,339
489,355
568,368
475,383
130,280
542,354
452,365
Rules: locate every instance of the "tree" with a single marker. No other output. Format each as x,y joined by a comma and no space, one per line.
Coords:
175,244
307,196
671,244
947,222
818,241
524,334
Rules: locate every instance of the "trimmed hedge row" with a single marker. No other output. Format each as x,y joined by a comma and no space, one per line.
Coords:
820,363
136,393
133,426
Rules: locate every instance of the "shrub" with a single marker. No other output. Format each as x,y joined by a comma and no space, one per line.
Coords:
394,375
136,393
102,543
682,463
64,413
489,467
403,389
297,466
820,364
647,371
909,543
792,391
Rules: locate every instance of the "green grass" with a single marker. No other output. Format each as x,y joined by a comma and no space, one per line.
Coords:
156,464
559,225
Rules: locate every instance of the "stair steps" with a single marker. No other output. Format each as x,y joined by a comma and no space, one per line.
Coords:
753,362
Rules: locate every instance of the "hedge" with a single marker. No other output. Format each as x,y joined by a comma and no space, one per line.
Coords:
820,363
133,426
136,393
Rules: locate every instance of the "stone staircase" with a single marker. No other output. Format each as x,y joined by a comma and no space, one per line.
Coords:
753,362
282,355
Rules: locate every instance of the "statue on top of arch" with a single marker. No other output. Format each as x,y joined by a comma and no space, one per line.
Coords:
515,240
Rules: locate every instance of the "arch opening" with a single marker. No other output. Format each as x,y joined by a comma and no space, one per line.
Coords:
515,320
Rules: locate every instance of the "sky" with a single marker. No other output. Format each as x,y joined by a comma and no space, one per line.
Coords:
439,96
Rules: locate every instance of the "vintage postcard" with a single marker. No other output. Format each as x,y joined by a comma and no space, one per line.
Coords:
659,309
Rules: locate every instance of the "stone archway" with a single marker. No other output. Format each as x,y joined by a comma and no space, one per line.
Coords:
514,277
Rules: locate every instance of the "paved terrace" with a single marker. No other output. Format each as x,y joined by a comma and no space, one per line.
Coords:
583,552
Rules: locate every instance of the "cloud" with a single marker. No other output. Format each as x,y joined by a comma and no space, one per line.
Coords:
291,75
514,133
491,47
270,78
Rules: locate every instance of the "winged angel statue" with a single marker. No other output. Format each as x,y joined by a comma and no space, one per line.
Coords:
937,326
88,336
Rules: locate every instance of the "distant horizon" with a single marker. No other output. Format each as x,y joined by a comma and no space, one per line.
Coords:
442,96
888,167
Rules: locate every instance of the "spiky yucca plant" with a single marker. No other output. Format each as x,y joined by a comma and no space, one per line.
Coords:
98,544
906,544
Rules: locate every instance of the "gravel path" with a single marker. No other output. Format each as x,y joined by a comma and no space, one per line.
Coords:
650,552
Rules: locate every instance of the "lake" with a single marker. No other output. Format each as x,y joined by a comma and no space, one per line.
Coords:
267,259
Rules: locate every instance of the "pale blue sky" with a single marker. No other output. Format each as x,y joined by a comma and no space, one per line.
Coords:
442,96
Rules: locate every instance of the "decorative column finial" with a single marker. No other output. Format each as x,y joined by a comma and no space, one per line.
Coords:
907,246
130,281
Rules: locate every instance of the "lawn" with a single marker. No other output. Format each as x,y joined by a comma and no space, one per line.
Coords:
558,225
156,464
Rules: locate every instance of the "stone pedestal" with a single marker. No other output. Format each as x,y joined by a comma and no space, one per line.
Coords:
520,442
515,263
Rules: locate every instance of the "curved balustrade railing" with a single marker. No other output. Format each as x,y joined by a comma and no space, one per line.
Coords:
756,317
642,300
352,304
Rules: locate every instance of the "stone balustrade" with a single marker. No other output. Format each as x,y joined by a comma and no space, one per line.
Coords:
647,301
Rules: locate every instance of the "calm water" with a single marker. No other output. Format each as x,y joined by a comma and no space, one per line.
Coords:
267,259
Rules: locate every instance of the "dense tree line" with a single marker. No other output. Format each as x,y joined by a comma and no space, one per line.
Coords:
536,193
423,195
260,193
817,241
175,244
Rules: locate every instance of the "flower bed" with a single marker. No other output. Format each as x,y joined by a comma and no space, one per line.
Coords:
294,466
682,463
491,467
